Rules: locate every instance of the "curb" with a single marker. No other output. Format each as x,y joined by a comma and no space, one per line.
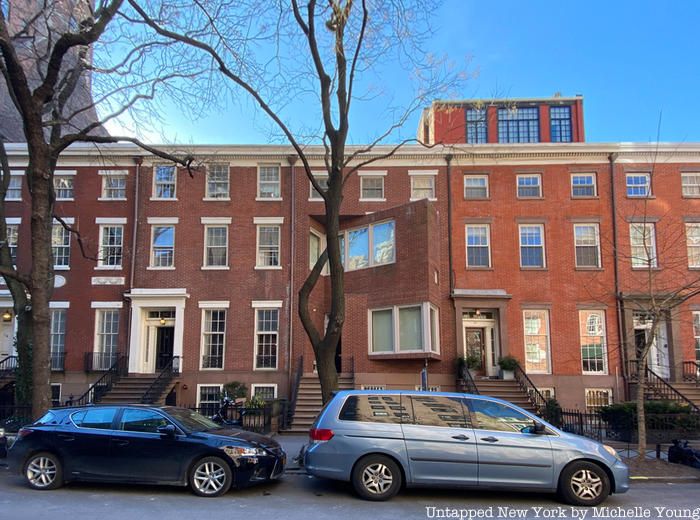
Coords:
668,480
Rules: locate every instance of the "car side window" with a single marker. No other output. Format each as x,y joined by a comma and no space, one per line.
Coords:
489,415
374,408
146,421
447,412
97,418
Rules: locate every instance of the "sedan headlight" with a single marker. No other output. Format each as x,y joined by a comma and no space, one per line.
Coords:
612,451
236,452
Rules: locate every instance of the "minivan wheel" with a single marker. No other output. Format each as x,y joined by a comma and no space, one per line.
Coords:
584,484
210,477
376,477
43,471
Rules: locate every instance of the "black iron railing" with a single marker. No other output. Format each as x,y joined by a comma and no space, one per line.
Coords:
13,417
212,361
467,380
155,391
299,371
254,419
100,361
691,371
8,365
58,361
537,400
104,384
657,385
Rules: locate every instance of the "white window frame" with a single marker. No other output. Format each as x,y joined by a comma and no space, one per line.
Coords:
255,386
154,191
266,306
629,186
12,226
100,258
604,335
15,174
112,174
60,394
57,225
684,185
100,309
596,226
537,176
589,391
209,307
543,246
261,222
151,263
696,334
215,222
322,246
549,340
649,261
372,175
259,196
207,195
68,174
595,185
689,246
488,245
476,176
548,392
315,196
199,393
427,174
426,317
55,310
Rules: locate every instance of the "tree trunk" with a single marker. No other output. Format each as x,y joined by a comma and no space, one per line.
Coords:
327,374
641,412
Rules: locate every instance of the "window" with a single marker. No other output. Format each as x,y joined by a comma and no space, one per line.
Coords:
690,184
268,246
63,186
163,246
107,339
478,250
547,392
57,339
383,409
97,418
113,185
322,180
476,186
518,125
596,398
266,338
209,399
217,181
14,189
476,126
422,187
489,415
532,246
443,412
314,249
560,124
530,186
643,243
536,325
592,336
368,246
213,338
269,182
144,421
409,328
696,334
371,187
266,392
12,240
692,236
216,246
60,246
55,394
165,182
583,185
111,246
587,244
638,184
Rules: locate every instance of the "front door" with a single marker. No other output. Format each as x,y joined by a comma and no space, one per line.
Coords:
475,345
658,357
7,336
165,340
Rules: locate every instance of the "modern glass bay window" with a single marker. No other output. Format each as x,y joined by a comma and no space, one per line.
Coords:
368,246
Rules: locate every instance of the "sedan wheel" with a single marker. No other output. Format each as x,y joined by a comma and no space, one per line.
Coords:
210,477
43,471
584,484
376,478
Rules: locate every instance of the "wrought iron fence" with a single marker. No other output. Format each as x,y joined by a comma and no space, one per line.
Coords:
691,371
13,417
258,420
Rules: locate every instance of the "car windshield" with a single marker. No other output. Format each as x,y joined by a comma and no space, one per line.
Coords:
191,420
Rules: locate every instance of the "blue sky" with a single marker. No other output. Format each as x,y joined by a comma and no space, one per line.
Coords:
632,61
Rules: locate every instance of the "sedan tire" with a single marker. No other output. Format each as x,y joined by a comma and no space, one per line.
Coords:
43,471
210,477
584,484
376,477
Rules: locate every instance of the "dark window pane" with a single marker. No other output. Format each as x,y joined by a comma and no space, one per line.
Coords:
489,415
386,409
446,412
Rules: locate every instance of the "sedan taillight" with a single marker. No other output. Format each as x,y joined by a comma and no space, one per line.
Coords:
320,434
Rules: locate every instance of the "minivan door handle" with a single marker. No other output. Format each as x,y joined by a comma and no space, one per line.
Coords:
489,439
460,437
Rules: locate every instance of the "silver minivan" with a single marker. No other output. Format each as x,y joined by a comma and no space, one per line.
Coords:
383,440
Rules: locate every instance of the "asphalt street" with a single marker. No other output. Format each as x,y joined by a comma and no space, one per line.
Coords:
298,496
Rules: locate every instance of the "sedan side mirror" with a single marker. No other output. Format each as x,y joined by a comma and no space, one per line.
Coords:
167,430
538,428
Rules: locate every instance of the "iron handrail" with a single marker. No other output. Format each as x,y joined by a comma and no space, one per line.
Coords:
533,394
466,376
102,385
166,374
8,364
658,385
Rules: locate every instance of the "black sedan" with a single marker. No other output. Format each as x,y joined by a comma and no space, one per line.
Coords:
142,444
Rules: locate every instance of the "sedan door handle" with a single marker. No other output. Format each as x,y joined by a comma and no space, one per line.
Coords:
121,442
489,439
460,437
66,438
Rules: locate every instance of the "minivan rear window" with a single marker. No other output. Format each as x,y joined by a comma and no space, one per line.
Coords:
386,409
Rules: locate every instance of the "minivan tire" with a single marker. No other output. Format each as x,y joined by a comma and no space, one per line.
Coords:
584,483
210,477
376,477
43,471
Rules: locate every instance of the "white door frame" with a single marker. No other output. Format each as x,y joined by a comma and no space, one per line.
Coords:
491,340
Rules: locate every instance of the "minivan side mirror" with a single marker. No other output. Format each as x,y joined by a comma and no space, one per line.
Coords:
537,428
167,430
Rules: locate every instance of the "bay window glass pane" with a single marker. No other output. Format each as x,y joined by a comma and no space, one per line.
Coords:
410,329
358,248
382,331
383,237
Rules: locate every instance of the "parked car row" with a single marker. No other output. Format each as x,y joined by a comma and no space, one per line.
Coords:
380,441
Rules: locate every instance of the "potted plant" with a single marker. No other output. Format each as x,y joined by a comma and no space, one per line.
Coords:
508,365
